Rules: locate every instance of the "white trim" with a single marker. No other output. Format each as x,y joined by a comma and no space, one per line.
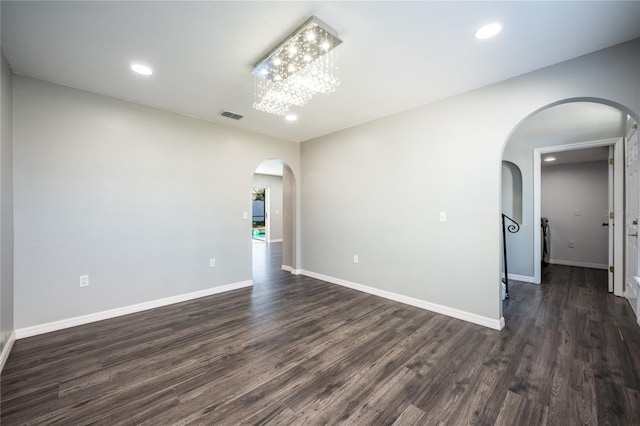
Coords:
579,264
496,324
522,278
21,333
279,240
537,244
290,269
618,250
7,350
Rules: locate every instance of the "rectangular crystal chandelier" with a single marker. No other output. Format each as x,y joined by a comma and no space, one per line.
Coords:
297,68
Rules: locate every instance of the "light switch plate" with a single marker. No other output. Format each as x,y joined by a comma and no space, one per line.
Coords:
443,216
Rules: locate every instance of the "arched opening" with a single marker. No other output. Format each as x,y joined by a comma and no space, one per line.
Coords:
273,219
571,126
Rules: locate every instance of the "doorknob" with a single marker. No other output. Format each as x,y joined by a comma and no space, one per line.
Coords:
633,235
605,224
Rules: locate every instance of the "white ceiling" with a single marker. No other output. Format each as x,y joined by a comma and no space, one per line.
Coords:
577,156
395,55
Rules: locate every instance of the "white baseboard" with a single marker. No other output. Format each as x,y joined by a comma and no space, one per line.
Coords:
7,349
497,324
276,241
578,264
523,278
290,269
21,333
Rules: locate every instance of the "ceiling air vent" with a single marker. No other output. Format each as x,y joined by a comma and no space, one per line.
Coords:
231,115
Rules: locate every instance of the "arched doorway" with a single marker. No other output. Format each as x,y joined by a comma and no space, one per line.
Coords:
571,126
273,220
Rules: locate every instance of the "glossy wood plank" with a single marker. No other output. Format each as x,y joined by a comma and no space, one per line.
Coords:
294,350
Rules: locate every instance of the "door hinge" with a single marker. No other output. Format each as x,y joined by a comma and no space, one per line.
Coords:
611,215
611,269
610,161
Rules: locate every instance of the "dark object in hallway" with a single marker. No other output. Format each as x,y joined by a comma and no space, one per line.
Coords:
295,350
546,241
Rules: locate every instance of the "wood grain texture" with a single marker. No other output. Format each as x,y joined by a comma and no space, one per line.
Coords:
294,350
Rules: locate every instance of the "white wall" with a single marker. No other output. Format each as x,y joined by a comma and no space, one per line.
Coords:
290,222
6,204
375,190
565,189
274,184
139,199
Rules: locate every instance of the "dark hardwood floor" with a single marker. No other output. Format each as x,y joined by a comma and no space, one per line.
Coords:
294,350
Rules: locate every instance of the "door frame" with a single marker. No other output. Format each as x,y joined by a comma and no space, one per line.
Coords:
618,196
267,214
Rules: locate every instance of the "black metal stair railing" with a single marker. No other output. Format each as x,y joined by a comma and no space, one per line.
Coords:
513,227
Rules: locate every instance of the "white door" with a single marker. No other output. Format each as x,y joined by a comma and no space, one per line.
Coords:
609,219
619,229
616,215
633,206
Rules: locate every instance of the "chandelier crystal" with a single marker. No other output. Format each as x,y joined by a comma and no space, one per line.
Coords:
298,68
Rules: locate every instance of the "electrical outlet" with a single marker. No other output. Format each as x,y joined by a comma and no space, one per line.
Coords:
355,258
212,263
84,280
578,212
572,244
442,216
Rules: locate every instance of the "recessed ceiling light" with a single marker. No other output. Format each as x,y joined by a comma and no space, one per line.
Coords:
291,117
550,159
141,69
488,31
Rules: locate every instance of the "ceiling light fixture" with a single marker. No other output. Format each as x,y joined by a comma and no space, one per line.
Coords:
291,117
141,69
550,159
488,31
297,68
